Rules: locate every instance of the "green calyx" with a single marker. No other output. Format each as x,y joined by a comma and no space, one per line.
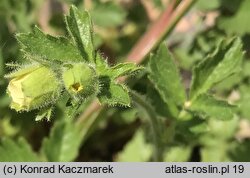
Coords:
80,80
33,87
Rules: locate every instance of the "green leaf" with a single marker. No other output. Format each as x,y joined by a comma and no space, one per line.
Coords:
231,7
19,151
108,14
206,105
246,69
102,66
46,47
229,82
244,102
165,76
116,71
123,69
44,114
215,144
111,92
1,64
178,154
225,61
204,6
146,111
161,108
136,150
199,127
239,22
63,143
241,152
80,28
114,94
192,128
215,152
222,130
7,128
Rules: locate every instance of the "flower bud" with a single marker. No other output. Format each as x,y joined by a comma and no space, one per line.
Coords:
80,80
33,87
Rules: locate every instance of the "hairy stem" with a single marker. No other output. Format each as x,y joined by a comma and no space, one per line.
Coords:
90,110
183,7
150,38
154,122
159,30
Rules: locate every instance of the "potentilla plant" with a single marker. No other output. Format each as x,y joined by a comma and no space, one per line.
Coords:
70,68
58,64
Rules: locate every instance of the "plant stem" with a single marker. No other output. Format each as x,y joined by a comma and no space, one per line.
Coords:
155,124
179,12
159,30
1,65
182,8
150,38
90,110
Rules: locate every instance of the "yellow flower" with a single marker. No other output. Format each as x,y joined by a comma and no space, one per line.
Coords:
33,87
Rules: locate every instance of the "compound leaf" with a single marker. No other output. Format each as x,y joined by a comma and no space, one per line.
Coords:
225,61
46,47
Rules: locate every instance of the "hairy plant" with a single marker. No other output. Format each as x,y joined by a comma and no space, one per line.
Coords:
178,101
